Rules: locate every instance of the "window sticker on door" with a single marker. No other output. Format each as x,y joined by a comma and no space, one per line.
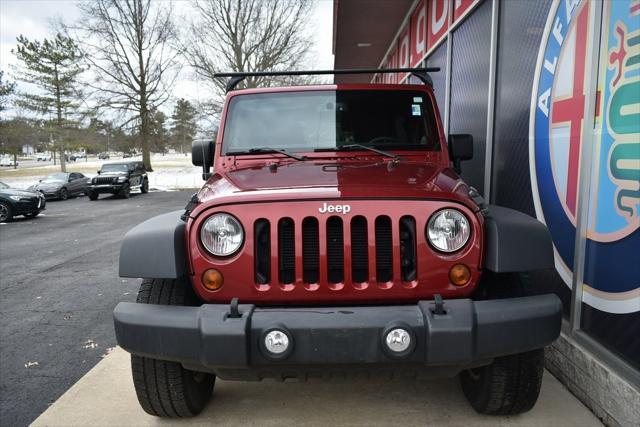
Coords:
415,110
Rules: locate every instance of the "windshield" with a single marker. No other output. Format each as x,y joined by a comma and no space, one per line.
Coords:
114,168
325,120
3,185
55,177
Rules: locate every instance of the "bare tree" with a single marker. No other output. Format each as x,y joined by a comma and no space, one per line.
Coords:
248,35
128,46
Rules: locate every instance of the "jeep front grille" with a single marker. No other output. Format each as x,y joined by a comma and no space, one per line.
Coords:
103,180
324,244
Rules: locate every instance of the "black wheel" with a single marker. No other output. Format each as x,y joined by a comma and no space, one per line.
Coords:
92,195
144,188
511,384
32,214
125,192
6,214
63,194
166,389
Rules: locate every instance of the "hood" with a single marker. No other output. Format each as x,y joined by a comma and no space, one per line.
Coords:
47,185
21,193
112,173
357,179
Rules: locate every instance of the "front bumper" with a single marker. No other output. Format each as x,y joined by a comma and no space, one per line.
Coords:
106,188
470,333
32,205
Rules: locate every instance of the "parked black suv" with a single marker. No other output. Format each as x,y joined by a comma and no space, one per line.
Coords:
119,178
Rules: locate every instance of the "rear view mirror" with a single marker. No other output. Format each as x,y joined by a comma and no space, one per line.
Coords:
460,148
202,155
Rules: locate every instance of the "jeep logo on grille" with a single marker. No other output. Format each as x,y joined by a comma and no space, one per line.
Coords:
343,209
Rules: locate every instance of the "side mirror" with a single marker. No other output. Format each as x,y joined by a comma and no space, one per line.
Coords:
460,148
98,172
202,155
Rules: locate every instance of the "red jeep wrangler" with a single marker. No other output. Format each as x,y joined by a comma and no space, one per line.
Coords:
335,235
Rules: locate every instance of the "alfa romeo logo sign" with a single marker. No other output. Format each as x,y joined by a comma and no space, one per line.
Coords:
612,263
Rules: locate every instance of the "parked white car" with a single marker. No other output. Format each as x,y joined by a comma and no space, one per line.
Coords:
7,161
43,157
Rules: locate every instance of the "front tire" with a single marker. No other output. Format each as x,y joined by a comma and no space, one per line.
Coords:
6,213
64,194
510,385
92,195
125,192
167,389
144,188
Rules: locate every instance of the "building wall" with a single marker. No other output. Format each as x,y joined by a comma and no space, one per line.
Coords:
549,90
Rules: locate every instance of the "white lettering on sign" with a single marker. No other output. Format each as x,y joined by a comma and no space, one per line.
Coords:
551,66
543,102
420,35
437,22
404,51
557,31
341,209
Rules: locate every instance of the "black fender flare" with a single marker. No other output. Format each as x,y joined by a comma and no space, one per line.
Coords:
516,242
155,248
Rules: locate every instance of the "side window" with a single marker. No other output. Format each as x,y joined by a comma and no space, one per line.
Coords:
73,176
141,168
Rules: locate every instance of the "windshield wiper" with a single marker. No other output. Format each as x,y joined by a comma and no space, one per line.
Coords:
266,150
359,146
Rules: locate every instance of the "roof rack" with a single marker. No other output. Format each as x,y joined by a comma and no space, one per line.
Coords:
237,77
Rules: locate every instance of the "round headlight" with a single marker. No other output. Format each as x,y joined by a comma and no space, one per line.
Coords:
448,230
222,234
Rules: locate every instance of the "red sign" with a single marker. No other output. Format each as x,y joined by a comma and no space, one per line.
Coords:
438,21
460,7
404,51
418,34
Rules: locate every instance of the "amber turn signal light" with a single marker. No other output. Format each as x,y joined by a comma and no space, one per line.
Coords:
459,275
212,279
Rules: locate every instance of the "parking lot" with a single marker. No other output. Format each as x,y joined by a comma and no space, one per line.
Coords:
59,283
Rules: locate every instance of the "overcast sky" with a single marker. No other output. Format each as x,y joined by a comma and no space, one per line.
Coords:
32,18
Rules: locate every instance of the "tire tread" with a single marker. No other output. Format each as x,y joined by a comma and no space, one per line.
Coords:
161,386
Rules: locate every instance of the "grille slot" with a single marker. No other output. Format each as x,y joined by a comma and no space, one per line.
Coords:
384,249
262,251
359,250
310,250
408,259
286,251
335,250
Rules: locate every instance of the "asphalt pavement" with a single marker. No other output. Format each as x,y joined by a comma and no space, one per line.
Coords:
59,284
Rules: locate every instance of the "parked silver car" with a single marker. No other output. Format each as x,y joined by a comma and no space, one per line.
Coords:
62,185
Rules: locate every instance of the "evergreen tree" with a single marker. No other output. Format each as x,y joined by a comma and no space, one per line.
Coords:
6,90
53,67
184,127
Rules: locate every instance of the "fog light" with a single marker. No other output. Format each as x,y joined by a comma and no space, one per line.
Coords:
459,275
398,340
212,279
276,342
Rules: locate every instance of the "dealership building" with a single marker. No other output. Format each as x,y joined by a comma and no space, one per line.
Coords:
550,91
